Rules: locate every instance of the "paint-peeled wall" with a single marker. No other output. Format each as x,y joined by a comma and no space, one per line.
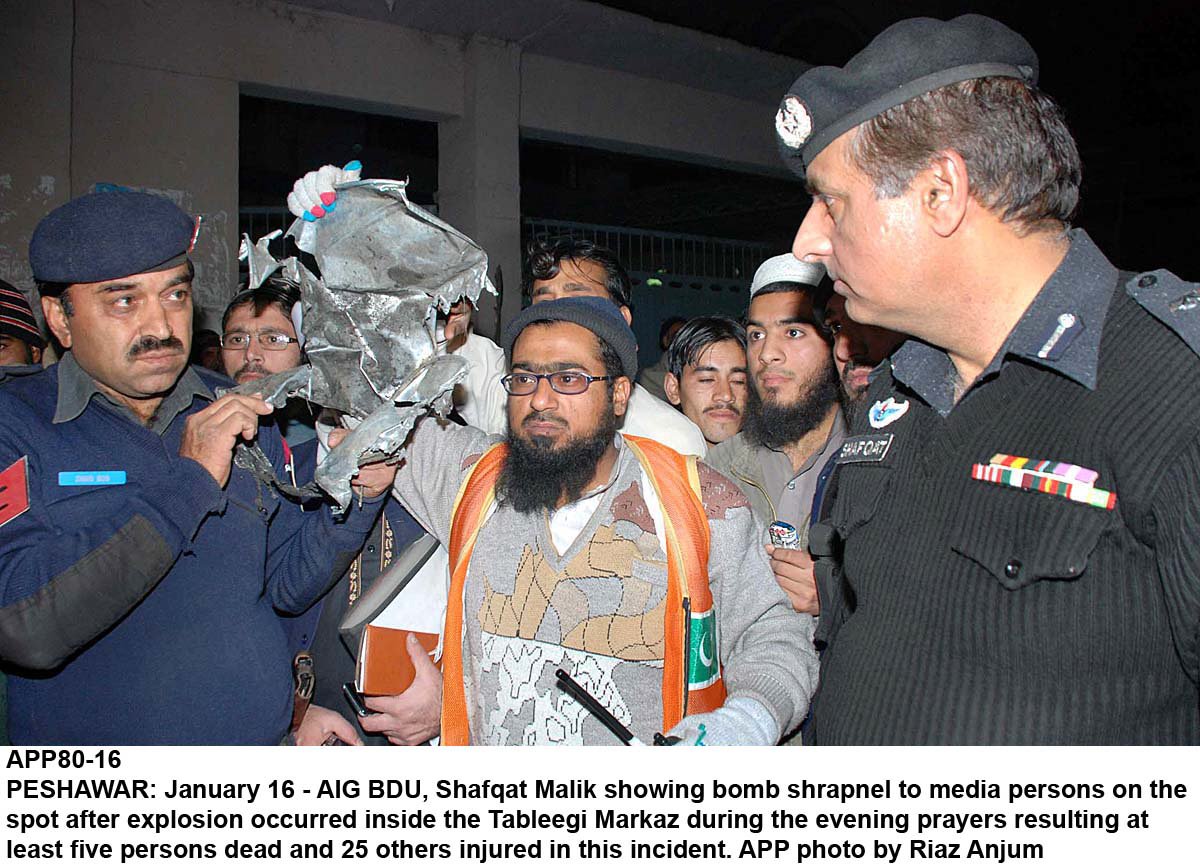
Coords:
35,93
145,94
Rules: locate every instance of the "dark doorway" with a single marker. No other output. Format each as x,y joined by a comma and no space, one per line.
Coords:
279,141
690,236
588,185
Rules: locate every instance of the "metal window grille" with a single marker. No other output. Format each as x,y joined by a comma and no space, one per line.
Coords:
258,221
672,273
693,262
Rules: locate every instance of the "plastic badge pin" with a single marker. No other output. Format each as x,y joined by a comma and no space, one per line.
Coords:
783,535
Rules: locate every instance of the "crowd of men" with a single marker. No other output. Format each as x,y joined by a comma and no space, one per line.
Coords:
938,485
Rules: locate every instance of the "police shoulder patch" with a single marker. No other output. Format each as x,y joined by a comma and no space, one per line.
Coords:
14,490
1172,301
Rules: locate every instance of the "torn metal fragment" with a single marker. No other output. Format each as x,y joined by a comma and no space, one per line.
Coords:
384,267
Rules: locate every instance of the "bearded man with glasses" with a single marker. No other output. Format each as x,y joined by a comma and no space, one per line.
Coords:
609,557
261,334
259,338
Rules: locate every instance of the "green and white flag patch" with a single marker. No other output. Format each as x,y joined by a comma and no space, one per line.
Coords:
704,665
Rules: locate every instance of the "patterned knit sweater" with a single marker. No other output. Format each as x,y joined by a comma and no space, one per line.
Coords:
596,610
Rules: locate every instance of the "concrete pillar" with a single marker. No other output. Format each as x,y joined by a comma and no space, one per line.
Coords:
479,187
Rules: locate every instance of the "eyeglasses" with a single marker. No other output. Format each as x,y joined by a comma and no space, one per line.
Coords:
266,340
563,382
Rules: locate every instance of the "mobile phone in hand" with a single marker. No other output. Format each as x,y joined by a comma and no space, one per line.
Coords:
355,699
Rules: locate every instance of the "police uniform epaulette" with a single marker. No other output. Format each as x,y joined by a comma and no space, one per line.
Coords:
12,372
1172,301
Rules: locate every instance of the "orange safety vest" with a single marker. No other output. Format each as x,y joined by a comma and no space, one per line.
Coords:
691,666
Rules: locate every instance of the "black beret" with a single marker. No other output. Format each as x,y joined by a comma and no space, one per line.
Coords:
103,236
908,59
598,315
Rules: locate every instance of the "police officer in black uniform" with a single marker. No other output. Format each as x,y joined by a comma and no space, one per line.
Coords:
1010,554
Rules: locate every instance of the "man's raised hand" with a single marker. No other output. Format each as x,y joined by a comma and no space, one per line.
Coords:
210,434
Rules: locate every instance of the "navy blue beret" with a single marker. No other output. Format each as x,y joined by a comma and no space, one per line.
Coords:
908,59
103,236
598,315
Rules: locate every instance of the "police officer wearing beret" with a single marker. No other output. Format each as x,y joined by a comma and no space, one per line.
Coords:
140,569
1011,552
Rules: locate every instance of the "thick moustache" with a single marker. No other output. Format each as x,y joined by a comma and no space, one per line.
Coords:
155,355
153,348
536,423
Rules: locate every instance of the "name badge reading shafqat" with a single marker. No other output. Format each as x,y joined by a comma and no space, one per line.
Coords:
865,448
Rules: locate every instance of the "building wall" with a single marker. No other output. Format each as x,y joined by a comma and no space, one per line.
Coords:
169,132
35,138
612,109
144,93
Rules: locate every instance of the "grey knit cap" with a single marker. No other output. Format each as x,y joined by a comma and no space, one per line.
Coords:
598,315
